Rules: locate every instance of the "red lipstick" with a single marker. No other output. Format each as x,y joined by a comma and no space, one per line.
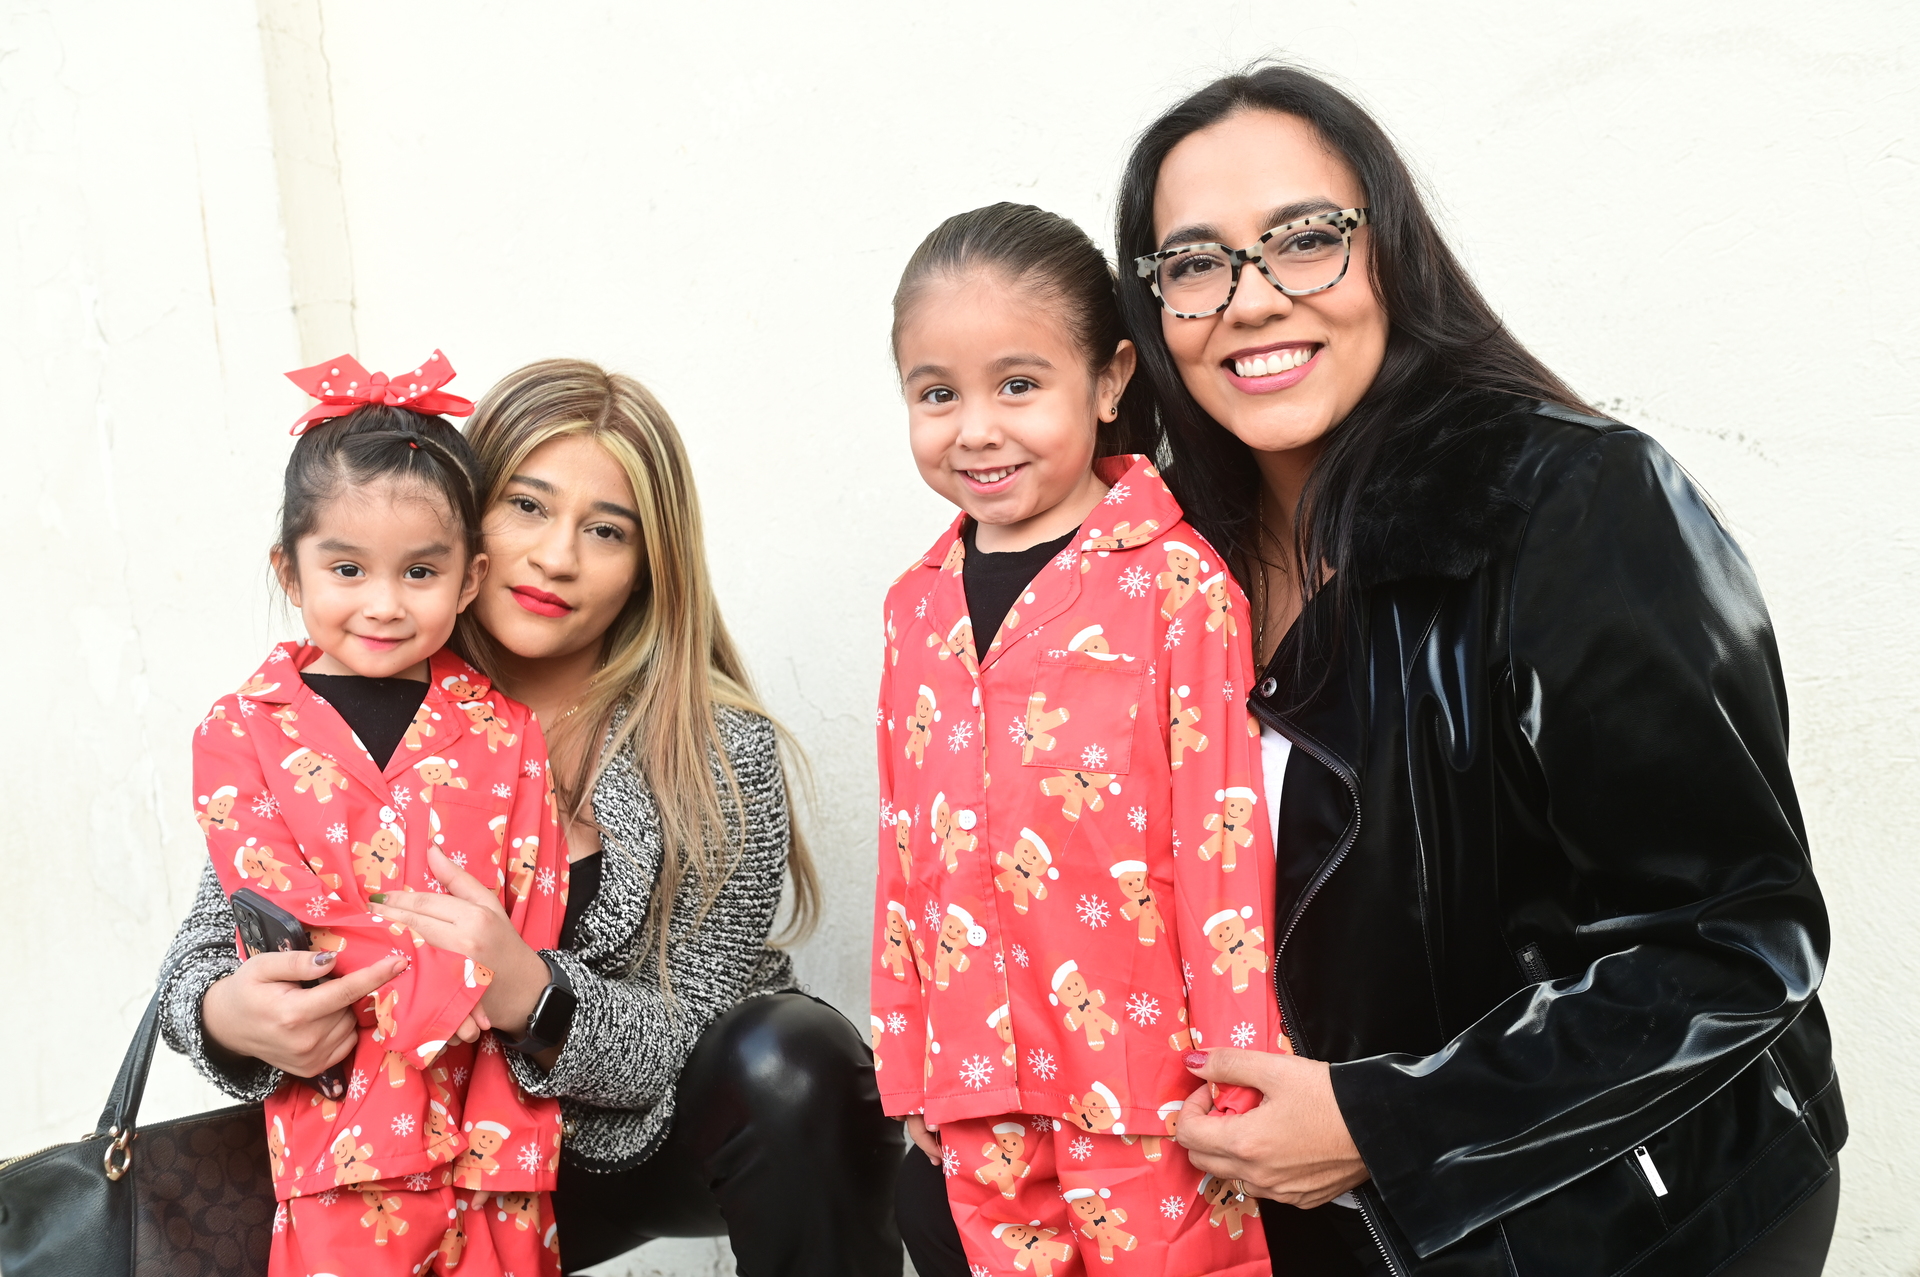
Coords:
539,602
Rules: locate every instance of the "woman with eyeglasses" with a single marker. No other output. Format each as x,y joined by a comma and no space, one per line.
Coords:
1547,939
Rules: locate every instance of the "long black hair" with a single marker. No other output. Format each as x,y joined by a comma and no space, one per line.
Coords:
1443,342
1056,263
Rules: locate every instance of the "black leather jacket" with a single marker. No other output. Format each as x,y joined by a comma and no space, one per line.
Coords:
1545,899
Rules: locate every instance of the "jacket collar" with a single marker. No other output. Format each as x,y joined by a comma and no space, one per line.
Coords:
1444,504
277,681
1137,509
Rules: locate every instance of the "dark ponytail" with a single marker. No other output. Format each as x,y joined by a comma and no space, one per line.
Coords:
373,443
1052,259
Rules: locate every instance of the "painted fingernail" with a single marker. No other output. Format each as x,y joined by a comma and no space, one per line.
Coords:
378,897
1194,1059
324,958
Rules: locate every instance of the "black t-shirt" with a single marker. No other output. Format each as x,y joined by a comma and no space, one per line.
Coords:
994,581
377,709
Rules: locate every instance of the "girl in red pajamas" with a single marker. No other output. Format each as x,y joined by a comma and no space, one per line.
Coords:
331,777
1075,864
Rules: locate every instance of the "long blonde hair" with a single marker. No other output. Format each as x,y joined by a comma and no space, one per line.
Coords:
667,658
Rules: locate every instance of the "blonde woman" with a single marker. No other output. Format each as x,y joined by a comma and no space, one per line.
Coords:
703,1094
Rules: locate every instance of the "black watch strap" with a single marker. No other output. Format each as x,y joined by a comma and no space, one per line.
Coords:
552,1014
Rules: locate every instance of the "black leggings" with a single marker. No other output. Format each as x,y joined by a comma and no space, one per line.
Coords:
1332,1242
778,1144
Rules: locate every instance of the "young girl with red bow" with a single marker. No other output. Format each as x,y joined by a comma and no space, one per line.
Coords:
1075,863
369,759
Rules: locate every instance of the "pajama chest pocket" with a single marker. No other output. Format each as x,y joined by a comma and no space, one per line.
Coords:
1082,712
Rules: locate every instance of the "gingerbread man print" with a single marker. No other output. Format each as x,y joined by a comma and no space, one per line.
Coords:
437,772
219,810
484,1140
896,954
421,727
1181,577
1183,732
1025,870
1005,1168
1238,945
1036,732
926,712
1078,790
1219,606
951,832
1229,1204
378,861
1099,1222
1001,1023
259,864
1097,1112
383,1215
1169,1113
314,771
1139,905
350,1164
959,642
903,840
486,723
1229,825
1081,1006
1033,1247
957,931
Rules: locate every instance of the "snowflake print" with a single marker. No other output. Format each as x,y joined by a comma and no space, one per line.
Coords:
266,806
336,832
403,1125
1117,493
896,1024
528,1158
1093,911
402,796
316,907
949,1162
433,884
1017,731
488,1046
1066,559
960,737
1176,631
419,1183
1044,1125
280,1218
920,609
458,858
1081,1148
1143,1009
976,1071
1137,819
278,655
886,812
1242,1034
999,962
246,707
1041,1064
1020,954
979,1270
932,915
357,1085
459,1077
1186,973
1176,842
1173,1207
1135,582
532,769
502,790
1093,758
329,1197
546,881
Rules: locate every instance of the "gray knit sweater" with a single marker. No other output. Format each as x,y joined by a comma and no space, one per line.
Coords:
615,1075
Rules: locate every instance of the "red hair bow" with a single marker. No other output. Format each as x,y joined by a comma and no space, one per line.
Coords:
342,385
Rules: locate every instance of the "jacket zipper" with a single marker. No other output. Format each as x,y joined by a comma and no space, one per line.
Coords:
1287,1020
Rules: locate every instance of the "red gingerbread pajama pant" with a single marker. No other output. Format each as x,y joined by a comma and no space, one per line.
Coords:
378,1230
1036,1197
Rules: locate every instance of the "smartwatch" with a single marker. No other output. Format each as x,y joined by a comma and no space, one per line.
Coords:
552,1014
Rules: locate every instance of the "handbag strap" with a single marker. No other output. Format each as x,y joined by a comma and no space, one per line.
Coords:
123,1105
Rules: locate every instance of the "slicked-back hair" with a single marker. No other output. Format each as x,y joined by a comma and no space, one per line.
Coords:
1444,341
1052,260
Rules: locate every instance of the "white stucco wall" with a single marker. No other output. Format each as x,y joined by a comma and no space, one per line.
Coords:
1702,215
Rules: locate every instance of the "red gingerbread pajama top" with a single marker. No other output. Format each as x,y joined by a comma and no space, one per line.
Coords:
1074,855
294,808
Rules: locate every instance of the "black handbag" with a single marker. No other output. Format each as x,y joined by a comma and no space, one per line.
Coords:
187,1198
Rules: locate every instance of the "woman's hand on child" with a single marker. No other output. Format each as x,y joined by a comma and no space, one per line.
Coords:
1293,1148
261,1012
470,920
924,1137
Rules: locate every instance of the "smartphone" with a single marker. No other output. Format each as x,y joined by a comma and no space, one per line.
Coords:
267,928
